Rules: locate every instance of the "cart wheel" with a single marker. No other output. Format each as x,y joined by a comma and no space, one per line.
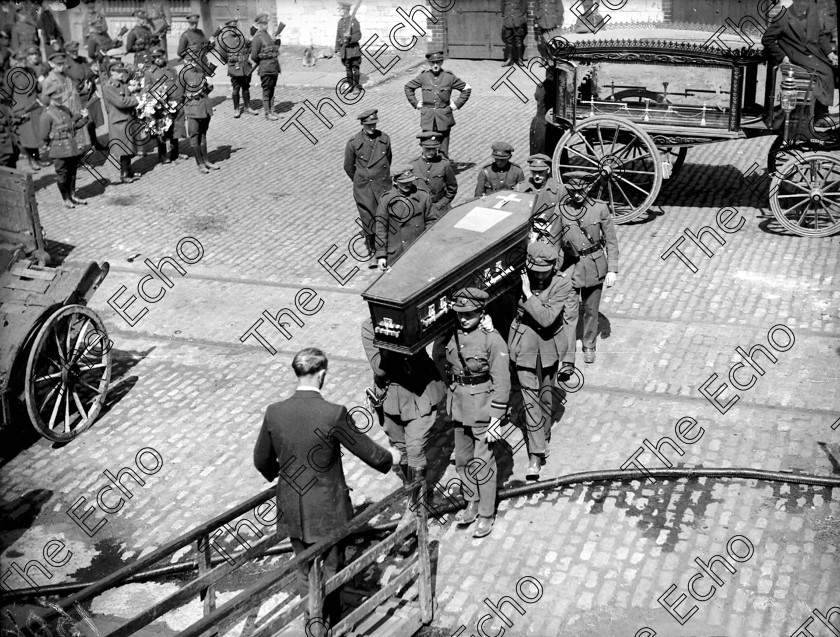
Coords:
780,153
624,163
805,195
676,156
68,373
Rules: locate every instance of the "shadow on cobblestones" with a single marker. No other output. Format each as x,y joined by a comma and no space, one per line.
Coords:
19,515
716,187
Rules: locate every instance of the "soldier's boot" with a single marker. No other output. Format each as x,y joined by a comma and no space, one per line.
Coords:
534,466
94,140
65,195
33,163
237,112
468,515
357,74
173,151
508,55
161,150
520,54
246,102
402,472
126,174
207,163
410,515
73,197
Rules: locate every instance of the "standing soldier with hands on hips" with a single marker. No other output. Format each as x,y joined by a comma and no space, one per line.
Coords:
347,46
478,388
588,237
437,105
367,161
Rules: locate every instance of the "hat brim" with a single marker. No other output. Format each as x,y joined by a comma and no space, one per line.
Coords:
404,180
540,268
467,309
501,155
370,120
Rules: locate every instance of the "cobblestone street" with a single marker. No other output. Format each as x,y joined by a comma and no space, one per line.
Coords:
186,385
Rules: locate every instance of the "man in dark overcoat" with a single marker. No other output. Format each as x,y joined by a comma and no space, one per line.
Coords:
265,52
403,214
123,126
800,36
514,30
367,161
347,47
300,441
435,174
437,104
588,238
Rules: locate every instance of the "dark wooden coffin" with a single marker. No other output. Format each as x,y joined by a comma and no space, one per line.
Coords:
480,244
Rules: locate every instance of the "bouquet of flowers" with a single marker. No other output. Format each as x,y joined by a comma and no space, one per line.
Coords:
156,112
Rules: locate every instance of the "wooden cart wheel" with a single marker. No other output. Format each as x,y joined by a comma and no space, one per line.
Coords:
805,195
676,157
622,159
68,373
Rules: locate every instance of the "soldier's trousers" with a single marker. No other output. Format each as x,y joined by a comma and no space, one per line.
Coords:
538,398
410,437
268,82
66,169
241,83
9,160
590,300
351,67
197,128
333,562
542,47
514,40
476,467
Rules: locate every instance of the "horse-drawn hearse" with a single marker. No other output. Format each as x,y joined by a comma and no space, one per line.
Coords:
626,104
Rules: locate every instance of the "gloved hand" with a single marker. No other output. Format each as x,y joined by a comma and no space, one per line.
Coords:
494,432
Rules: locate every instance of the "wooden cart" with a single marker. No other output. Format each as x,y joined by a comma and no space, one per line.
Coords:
54,354
628,103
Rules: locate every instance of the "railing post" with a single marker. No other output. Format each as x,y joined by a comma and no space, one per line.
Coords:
208,595
424,583
316,599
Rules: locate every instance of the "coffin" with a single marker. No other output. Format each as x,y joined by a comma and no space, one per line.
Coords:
480,244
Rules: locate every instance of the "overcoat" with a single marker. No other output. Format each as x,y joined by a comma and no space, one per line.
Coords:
369,166
139,41
300,441
26,104
540,324
399,220
65,133
514,13
546,199
351,50
128,137
415,383
491,179
194,41
436,113
596,220
808,47
438,178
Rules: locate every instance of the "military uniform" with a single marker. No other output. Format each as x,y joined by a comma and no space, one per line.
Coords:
98,45
9,143
514,30
537,343
542,137
163,82
265,52
367,161
491,178
27,109
235,50
588,22
122,134
65,133
436,112
195,45
80,71
198,111
401,218
139,40
591,247
347,47
478,388
25,31
436,176
548,195
548,14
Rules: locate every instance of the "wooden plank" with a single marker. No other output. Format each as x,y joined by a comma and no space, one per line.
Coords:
45,274
375,600
13,283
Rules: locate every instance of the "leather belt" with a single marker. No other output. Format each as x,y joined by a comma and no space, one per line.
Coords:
590,250
475,379
432,104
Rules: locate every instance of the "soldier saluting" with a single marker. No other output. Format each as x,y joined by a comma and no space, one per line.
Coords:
434,174
347,46
437,105
367,161
499,174
478,388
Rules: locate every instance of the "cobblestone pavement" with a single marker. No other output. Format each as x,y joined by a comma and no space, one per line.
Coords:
603,553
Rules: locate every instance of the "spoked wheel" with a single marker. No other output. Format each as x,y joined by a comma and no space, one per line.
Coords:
674,156
68,373
805,195
781,153
622,160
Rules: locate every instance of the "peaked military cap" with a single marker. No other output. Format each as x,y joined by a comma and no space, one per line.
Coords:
261,18
541,257
539,162
31,50
117,65
577,180
157,52
344,5
435,56
502,149
71,46
430,139
193,17
403,174
58,57
232,22
469,300
370,116
139,13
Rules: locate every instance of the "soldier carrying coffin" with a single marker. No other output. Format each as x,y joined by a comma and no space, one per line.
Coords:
434,173
548,192
499,174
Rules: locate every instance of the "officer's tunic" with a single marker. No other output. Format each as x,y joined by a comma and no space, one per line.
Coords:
437,177
367,161
265,53
472,405
436,114
65,88
351,50
399,220
492,179
548,14
64,132
411,400
538,340
99,45
546,199
194,43
79,70
139,41
236,51
514,13
121,104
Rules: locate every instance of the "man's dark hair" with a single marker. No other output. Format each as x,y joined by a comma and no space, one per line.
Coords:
309,361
